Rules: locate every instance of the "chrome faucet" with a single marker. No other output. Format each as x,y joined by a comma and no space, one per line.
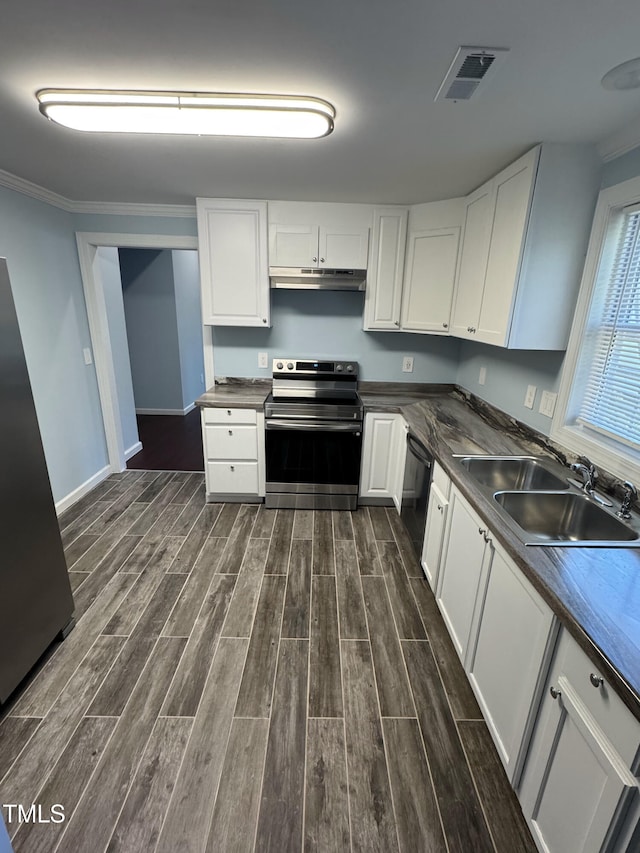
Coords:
630,496
587,470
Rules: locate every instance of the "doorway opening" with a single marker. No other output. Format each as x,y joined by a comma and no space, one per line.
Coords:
143,430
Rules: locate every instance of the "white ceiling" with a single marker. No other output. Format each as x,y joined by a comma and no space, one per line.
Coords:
379,62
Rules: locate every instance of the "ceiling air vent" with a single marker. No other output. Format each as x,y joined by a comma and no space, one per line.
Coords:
470,66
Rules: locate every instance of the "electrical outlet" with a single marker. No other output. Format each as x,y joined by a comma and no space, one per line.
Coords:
87,356
263,359
482,378
407,364
202,378
548,403
530,396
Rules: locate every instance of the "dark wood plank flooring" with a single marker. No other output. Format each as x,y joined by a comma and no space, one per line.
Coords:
245,679
169,443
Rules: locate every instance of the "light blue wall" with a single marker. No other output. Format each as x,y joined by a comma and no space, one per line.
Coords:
186,278
39,244
622,168
105,223
152,328
328,324
509,372
114,303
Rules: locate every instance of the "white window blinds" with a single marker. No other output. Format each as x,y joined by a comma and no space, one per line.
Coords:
611,352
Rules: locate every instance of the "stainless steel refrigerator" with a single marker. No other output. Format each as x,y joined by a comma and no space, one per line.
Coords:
36,604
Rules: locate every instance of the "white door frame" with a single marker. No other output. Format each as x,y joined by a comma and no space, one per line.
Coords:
88,245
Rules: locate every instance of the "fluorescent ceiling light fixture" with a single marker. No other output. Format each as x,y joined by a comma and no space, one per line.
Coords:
199,114
624,76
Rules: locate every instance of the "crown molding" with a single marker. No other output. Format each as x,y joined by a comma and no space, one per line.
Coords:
620,142
21,185
111,208
115,208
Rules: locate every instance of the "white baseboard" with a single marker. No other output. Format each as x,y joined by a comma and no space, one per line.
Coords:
166,411
135,448
82,490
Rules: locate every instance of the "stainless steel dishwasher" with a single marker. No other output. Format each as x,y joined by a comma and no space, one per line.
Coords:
415,492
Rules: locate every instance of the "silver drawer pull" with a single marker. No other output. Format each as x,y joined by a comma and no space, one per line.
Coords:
596,680
554,693
232,467
228,411
230,432
439,507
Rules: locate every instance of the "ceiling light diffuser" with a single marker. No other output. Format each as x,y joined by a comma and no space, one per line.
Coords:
624,76
198,114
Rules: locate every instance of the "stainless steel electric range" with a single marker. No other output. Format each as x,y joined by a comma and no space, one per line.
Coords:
313,434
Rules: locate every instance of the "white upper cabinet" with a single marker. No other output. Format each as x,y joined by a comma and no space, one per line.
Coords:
524,238
293,245
318,235
386,268
430,272
234,274
473,261
410,280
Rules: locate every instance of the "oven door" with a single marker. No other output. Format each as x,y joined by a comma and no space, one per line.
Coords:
318,459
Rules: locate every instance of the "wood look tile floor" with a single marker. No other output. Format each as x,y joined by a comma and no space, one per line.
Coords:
246,679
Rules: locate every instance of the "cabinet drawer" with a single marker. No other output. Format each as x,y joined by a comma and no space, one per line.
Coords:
232,477
231,441
229,416
606,707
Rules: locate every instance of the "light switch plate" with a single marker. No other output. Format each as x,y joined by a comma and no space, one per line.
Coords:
548,403
263,359
482,378
530,396
407,364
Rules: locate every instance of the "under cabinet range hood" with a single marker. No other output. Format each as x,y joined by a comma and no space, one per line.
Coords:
315,278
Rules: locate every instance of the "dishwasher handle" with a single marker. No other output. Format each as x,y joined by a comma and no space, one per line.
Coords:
417,449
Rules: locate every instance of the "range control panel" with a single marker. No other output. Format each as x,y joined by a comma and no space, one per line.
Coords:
312,367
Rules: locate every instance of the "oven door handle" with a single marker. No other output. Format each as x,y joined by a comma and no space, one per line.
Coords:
320,426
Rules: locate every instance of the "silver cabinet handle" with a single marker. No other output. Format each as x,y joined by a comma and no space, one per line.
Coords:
264,319
315,260
232,467
230,432
596,680
321,260
445,325
486,538
228,411
554,693
482,531
396,322
439,507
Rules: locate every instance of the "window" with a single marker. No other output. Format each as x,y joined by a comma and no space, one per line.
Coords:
599,414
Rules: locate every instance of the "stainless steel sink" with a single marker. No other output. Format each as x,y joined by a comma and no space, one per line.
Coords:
564,518
507,473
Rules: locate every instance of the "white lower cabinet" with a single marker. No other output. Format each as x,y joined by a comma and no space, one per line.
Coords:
462,571
577,786
383,446
436,524
233,444
510,654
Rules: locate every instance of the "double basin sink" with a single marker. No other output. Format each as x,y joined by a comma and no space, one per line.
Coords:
541,506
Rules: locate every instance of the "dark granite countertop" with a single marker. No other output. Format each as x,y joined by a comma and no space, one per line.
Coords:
595,592
236,393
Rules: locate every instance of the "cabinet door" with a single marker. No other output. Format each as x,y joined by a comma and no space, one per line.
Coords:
515,629
232,249
293,245
430,276
386,269
473,262
379,474
344,248
462,572
434,534
513,189
574,786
